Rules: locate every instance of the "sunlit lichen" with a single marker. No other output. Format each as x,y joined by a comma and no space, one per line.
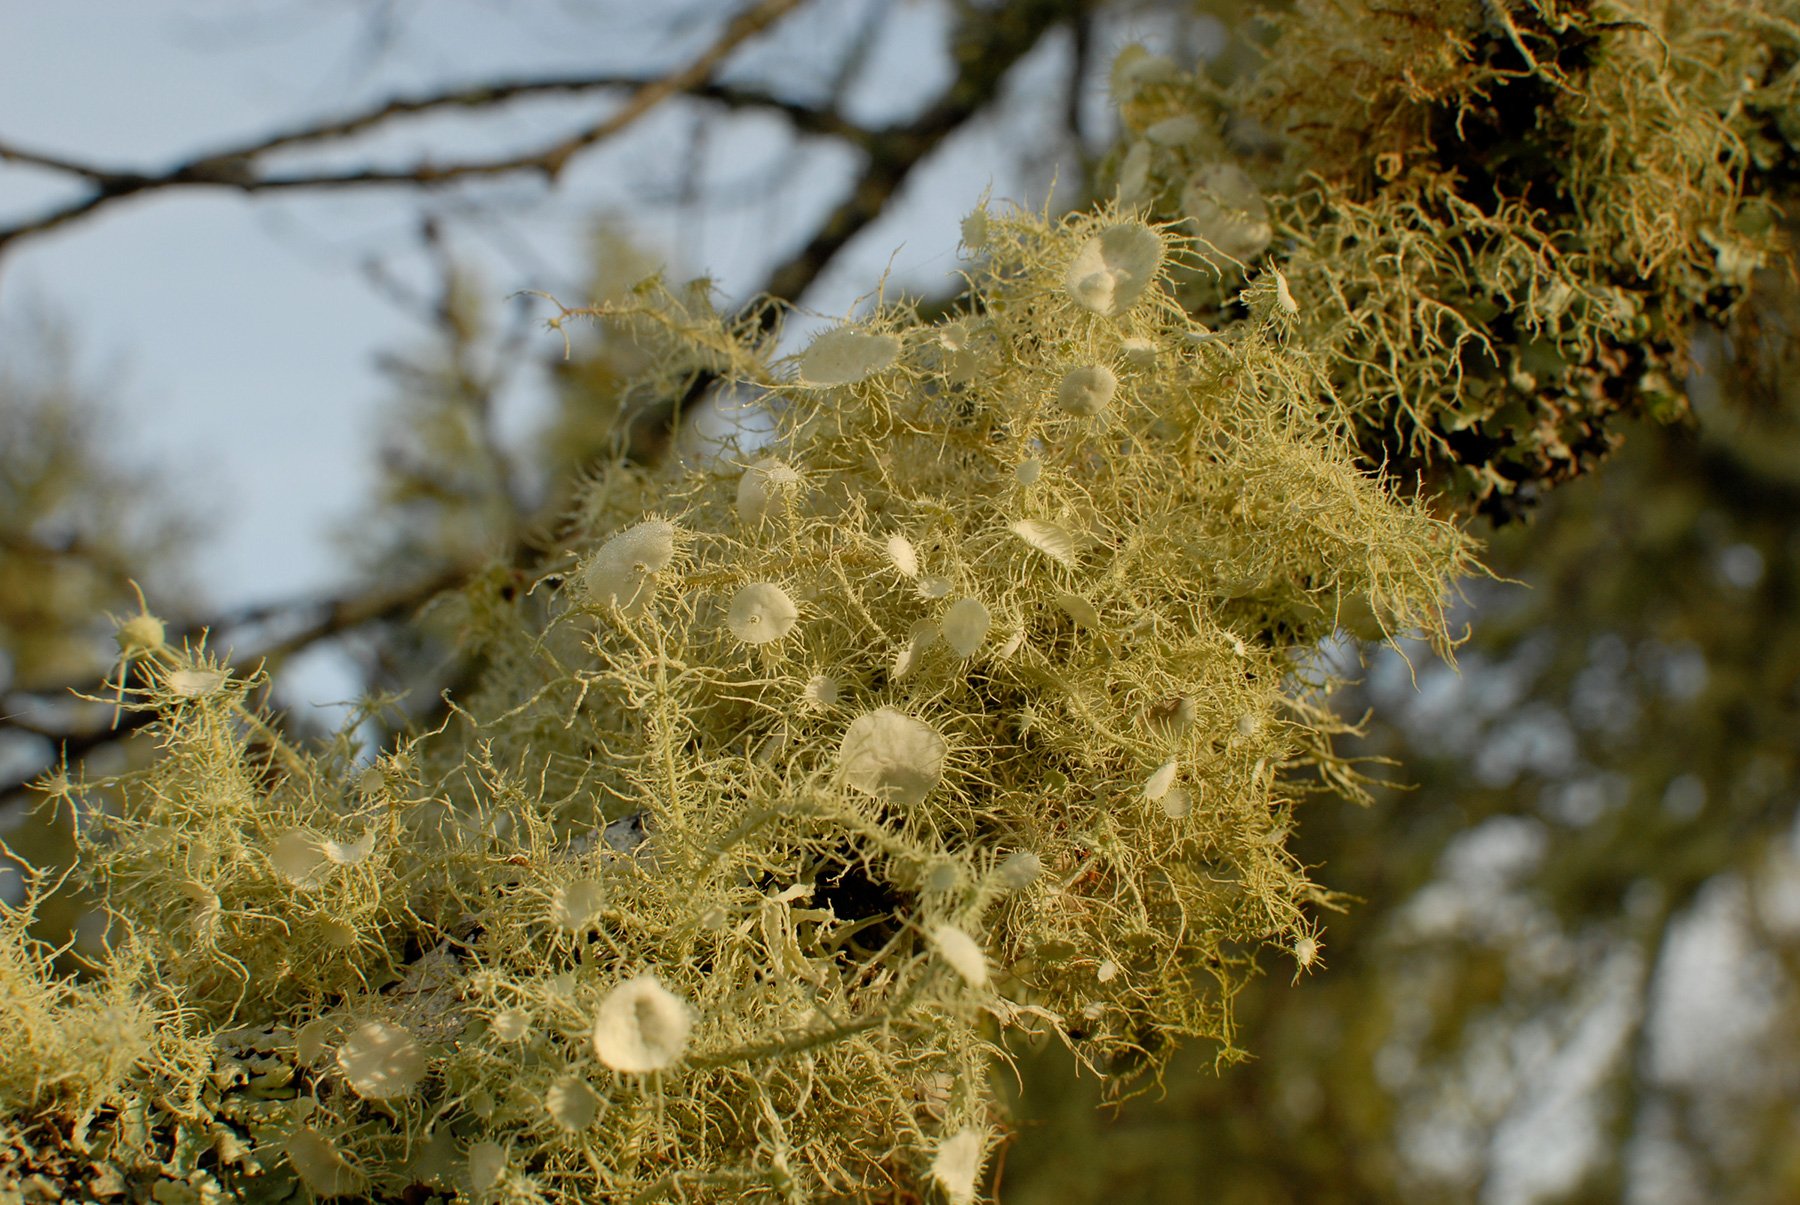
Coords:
1158,784
1087,390
623,572
844,356
965,626
957,1164
761,612
1052,539
381,1060
642,1026
761,484
576,904
892,756
1113,268
963,954
572,1103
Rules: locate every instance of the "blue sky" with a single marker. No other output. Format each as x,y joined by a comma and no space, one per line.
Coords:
249,333
246,326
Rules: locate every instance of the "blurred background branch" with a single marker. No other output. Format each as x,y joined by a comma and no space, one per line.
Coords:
1568,971
459,367
240,167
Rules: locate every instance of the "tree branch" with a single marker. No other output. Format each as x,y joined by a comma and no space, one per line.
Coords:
992,42
312,620
238,167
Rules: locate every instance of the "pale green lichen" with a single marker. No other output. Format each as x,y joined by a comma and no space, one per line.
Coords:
1504,217
750,818
746,847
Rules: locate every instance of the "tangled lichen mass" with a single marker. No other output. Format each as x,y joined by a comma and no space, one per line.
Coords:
830,898
975,706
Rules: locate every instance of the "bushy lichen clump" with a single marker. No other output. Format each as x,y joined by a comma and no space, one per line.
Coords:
1507,216
972,704
975,704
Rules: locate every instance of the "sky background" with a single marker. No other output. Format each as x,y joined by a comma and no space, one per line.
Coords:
237,336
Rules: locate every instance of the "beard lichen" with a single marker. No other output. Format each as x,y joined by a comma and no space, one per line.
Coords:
850,878
1506,215
974,705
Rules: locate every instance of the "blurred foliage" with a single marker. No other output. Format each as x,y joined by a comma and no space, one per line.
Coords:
1504,232
80,520
84,524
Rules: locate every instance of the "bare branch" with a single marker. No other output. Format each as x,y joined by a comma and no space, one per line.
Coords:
237,167
300,624
991,43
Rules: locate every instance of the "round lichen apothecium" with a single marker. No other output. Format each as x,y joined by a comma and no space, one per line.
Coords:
142,634
761,485
965,626
623,573
844,356
761,613
382,1061
1087,389
892,756
1115,267
642,1027
962,953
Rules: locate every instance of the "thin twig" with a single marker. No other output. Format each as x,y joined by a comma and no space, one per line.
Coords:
238,167
319,619
992,43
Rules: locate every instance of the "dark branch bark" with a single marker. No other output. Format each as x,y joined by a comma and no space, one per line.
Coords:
238,167
990,44
301,625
